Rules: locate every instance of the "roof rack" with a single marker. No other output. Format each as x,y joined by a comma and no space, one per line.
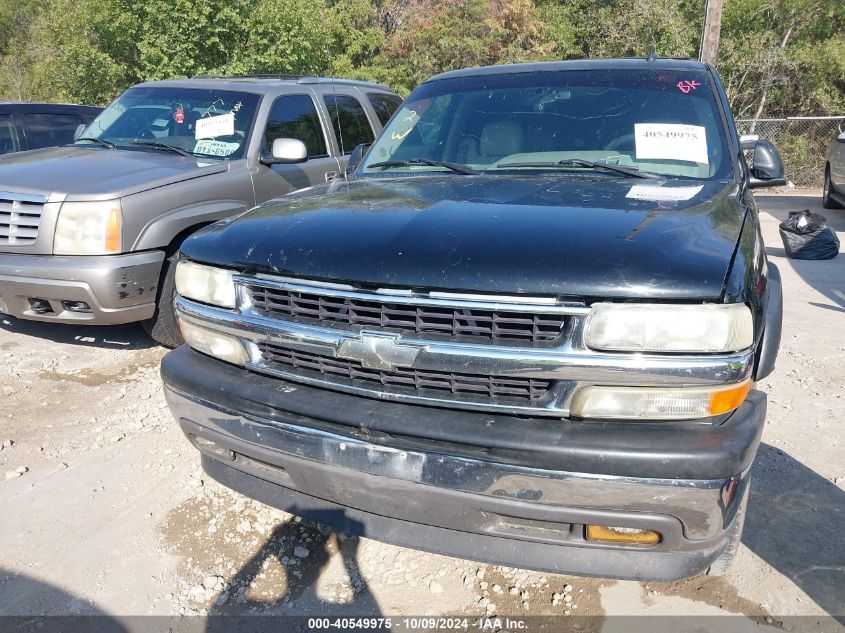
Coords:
301,79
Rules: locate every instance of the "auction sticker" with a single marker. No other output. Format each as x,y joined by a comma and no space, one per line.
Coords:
671,141
212,126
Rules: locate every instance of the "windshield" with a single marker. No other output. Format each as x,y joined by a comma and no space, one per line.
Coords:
207,123
662,122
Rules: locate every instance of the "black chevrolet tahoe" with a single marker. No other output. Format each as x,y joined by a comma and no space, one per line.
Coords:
526,329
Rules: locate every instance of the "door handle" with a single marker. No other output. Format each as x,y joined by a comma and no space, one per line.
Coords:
331,175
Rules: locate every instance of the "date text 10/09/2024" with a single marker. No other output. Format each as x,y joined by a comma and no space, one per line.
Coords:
416,624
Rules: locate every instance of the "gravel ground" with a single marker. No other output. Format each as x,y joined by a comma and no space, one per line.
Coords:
104,509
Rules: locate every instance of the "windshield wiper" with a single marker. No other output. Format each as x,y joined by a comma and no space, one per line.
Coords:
633,172
160,145
458,168
96,140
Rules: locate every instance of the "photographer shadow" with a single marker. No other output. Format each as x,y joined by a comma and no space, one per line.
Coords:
296,591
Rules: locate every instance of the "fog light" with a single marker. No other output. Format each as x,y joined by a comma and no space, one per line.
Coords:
40,306
213,343
612,534
76,306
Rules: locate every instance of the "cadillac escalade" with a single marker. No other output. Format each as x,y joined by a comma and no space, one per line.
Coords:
526,329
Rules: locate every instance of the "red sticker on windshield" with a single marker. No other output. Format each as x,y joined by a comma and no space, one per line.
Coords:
688,86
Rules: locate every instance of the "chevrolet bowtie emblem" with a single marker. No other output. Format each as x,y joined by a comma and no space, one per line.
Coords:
378,351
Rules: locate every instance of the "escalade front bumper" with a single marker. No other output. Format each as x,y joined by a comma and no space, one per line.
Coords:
520,494
115,288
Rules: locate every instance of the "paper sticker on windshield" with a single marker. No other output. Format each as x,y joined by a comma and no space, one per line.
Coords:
215,148
213,126
656,193
671,141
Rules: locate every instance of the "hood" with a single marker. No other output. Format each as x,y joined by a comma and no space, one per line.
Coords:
87,173
560,235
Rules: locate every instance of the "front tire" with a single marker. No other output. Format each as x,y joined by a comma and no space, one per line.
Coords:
827,201
163,326
720,566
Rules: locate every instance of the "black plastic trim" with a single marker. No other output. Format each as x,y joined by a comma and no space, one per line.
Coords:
665,450
773,310
563,557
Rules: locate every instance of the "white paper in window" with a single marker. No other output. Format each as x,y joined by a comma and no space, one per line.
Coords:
671,141
213,126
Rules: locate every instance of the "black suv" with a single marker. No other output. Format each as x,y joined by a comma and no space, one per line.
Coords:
26,126
526,330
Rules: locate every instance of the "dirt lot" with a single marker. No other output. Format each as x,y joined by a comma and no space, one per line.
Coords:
104,509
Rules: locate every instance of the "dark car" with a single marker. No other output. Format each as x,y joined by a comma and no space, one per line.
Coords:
526,330
26,126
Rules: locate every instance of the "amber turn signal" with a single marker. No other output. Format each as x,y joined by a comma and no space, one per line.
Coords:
610,534
727,400
112,242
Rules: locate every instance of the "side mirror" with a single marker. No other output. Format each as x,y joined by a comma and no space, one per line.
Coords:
79,130
767,167
286,151
357,156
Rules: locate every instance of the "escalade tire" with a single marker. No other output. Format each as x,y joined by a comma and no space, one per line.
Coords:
720,566
163,326
827,201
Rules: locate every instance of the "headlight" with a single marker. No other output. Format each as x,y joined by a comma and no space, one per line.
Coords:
213,343
658,403
88,228
636,327
205,284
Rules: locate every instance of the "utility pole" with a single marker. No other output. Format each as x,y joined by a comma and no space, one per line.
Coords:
710,33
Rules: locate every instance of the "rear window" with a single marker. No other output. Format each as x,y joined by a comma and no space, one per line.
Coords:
350,123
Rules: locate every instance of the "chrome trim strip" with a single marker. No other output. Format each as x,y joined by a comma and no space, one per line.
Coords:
23,197
563,363
697,503
501,303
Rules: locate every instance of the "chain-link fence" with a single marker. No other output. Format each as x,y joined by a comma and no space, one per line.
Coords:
802,141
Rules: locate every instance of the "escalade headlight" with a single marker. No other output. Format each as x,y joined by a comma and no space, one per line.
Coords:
205,284
88,228
637,327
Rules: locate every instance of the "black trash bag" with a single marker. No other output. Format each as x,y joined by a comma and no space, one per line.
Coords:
806,235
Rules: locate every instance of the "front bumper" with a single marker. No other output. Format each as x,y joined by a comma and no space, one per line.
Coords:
259,436
117,288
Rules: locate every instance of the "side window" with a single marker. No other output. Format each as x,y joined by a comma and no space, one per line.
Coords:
384,105
350,123
47,130
295,116
8,135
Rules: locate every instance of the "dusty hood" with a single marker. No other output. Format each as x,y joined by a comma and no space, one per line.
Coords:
94,172
559,235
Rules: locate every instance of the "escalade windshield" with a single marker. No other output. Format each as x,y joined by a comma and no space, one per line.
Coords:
207,123
651,122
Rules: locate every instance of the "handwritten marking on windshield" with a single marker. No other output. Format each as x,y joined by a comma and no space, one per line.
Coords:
688,86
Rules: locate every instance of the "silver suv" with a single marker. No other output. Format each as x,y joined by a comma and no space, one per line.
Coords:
89,231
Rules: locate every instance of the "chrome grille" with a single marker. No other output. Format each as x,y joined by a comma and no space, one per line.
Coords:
494,390
20,217
486,325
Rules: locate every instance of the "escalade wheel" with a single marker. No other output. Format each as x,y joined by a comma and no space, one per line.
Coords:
720,565
827,201
163,326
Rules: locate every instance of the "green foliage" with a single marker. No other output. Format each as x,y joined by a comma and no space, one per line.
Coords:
776,57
